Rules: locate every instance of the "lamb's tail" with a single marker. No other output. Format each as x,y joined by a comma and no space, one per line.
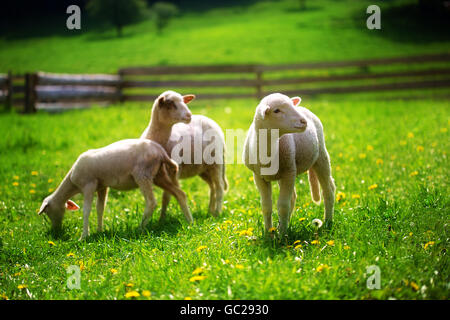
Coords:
171,167
314,185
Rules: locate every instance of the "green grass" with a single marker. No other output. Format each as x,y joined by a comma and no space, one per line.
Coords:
388,226
268,32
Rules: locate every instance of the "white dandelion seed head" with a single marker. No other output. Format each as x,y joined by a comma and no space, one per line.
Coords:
317,223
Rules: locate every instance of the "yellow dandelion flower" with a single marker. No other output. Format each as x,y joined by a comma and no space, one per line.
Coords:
330,243
16,177
429,243
4,296
51,190
380,162
402,142
369,148
51,243
410,234
322,267
420,148
443,130
22,286
302,219
239,266
228,222
299,246
356,196
414,286
33,185
346,247
362,155
15,183
414,173
113,271
146,293
373,186
340,196
17,274
197,278
32,191
410,135
296,241
198,271
272,230
132,294
70,254
340,155
314,242
50,180
338,168
201,248
34,173
187,298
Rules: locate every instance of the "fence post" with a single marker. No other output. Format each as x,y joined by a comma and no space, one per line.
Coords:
9,88
30,92
120,87
259,92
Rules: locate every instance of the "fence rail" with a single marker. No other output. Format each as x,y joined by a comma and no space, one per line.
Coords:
341,76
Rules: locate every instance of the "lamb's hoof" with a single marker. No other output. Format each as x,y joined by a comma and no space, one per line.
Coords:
328,224
83,237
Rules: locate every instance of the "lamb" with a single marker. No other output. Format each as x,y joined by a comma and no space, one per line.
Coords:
123,165
171,122
299,148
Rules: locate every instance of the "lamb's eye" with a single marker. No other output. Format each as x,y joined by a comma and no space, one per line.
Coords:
276,111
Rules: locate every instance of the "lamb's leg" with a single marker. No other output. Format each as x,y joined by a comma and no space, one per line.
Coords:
287,186
102,195
265,191
164,203
216,175
150,202
322,168
182,200
88,194
206,176
293,199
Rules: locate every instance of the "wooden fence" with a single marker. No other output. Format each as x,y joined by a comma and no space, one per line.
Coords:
419,72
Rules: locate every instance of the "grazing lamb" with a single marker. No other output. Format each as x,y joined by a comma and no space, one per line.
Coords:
171,121
123,165
299,148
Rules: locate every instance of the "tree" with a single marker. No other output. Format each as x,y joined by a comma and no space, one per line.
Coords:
163,12
117,12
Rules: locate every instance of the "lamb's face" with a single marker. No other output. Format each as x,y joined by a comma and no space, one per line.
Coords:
55,212
172,108
278,111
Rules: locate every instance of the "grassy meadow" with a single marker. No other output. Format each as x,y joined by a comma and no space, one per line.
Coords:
389,161
391,172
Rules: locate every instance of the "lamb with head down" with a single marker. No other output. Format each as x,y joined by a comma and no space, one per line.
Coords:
123,165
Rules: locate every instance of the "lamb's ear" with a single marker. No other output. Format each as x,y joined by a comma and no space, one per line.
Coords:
43,206
296,101
161,101
188,98
264,111
72,206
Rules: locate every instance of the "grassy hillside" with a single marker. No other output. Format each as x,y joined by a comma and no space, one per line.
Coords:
262,32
